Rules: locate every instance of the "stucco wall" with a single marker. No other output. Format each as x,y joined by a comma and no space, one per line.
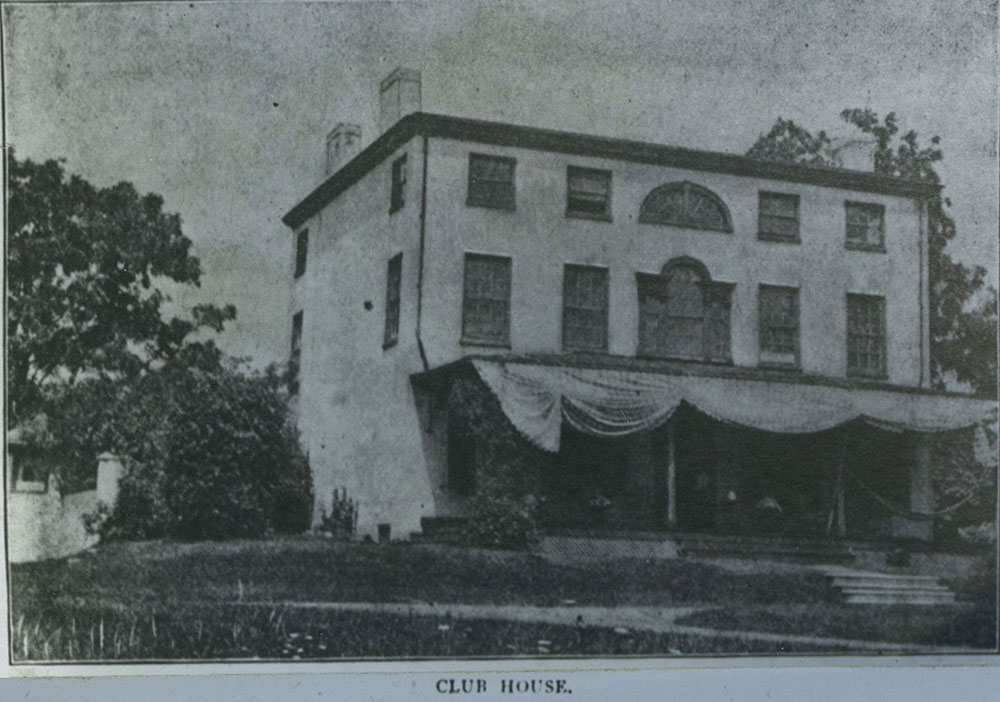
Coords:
356,409
45,525
362,426
540,238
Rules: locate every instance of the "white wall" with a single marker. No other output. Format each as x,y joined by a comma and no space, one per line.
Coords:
356,409
540,239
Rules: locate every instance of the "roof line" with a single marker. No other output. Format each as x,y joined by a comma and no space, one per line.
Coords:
502,134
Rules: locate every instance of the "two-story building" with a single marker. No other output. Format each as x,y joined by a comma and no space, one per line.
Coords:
695,340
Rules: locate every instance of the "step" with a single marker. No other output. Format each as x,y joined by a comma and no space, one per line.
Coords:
883,584
911,598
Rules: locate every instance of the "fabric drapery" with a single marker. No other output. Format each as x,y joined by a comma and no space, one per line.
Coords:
612,403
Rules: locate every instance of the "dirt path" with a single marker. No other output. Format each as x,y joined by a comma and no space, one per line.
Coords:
655,619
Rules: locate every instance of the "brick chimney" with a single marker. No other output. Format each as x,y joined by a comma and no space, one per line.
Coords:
342,144
399,95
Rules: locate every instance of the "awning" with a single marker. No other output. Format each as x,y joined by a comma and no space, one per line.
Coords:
609,402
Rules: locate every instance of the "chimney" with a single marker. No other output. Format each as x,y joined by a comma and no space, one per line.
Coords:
399,95
341,146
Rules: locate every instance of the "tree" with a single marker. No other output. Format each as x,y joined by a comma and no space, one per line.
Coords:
210,450
963,308
83,269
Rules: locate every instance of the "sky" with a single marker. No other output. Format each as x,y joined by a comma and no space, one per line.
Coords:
223,107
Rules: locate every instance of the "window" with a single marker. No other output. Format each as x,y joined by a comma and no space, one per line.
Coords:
685,204
866,336
392,280
486,301
865,226
585,308
779,326
301,251
397,195
491,181
684,314
778,217
30,469
295,358
588,193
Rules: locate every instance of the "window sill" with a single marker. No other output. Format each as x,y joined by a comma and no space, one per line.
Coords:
30,487
871,248
588,215
787,367
688,359
389,344
855,375
777,239
491,204
584,349
485,343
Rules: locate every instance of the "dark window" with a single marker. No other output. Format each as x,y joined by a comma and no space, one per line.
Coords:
778,217
397,196
779,326
866,336
31,472
486,300
585,308
685,204
683,314
301,252
865,226
491,181
588,193
392,282
295,358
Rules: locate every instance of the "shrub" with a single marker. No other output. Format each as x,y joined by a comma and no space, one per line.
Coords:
342,520
210,453
503,522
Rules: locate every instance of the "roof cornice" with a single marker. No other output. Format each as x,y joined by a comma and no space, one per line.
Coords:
500,134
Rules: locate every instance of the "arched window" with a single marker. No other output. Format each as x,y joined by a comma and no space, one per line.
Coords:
683,313
685,204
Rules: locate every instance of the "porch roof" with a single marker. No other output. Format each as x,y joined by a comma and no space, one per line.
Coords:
614,396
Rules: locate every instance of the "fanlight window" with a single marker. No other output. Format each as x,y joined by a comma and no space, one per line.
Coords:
685,204
684,314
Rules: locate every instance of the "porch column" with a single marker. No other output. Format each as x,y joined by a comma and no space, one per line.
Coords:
921,489
671,477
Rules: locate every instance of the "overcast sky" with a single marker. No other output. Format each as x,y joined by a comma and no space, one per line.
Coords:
223,108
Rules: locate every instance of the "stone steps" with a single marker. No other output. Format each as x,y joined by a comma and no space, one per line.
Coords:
859,587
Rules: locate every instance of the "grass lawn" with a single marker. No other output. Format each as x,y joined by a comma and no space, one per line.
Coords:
221,631
965,625
154,600
313,569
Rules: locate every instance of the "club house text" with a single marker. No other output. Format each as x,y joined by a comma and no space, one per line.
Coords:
453,686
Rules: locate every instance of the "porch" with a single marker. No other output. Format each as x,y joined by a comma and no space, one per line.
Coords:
626,446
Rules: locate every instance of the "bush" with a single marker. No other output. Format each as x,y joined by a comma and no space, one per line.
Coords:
341,521
503,522
209,453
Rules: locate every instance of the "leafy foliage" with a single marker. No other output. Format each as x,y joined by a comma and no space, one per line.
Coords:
505,507
963,309
83,266
342,520
210,450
